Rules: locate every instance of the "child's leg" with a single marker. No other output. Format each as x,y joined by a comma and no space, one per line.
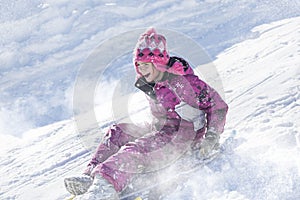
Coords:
113,140
117,136
152,152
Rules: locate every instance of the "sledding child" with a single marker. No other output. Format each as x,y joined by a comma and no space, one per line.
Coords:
188,114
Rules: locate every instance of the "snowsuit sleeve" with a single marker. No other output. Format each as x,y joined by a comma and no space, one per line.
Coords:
163,109
198,94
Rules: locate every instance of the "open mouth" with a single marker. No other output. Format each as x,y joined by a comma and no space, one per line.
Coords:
147,75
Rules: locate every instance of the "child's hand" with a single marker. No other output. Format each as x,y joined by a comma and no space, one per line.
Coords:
209,143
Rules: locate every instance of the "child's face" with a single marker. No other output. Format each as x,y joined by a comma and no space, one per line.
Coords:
150,73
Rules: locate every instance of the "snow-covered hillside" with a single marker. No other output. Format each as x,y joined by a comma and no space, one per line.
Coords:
261,80
259,68
44,43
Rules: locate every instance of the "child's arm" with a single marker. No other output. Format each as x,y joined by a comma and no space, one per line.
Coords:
198,94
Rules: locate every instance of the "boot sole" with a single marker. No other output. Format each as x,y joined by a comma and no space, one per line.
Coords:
77,186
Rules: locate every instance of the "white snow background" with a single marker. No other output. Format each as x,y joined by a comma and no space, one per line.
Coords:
254,44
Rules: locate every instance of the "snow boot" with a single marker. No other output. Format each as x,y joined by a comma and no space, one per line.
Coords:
101,189
78,185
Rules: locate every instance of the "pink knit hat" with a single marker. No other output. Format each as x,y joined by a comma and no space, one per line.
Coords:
152,47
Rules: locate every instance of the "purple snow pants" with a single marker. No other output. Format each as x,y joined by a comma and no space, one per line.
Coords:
127,150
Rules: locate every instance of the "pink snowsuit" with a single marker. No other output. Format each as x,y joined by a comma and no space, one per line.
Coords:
127,150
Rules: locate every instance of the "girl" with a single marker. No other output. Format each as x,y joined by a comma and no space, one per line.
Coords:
188,114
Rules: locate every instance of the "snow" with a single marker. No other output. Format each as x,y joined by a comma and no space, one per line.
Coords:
254,46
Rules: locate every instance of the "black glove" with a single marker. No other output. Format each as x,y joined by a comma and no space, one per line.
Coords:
210,142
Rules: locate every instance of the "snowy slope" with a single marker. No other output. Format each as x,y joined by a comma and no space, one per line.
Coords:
261,81
43,45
